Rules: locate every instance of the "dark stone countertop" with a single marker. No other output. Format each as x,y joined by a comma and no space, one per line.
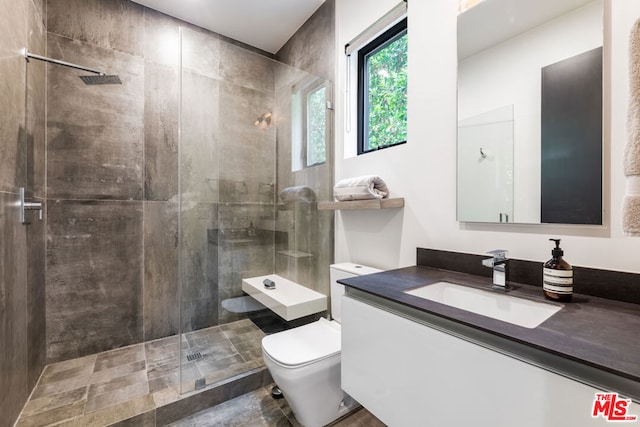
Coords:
601,333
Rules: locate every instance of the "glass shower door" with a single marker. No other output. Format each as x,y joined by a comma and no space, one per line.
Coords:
227,176
240,128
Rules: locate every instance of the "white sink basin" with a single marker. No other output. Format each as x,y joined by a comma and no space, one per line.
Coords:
498,306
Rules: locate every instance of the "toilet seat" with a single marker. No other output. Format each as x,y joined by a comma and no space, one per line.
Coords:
304,345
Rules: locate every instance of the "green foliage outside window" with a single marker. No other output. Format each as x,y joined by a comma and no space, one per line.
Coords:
387,95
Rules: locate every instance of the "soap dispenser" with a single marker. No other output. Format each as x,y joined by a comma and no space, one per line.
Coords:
557,282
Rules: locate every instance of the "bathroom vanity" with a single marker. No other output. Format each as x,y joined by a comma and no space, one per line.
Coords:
413,361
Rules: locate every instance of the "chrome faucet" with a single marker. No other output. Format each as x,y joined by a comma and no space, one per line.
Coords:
499,264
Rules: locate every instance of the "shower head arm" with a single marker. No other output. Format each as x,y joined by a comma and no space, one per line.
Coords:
28,56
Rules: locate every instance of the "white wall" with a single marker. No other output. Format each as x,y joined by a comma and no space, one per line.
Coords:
423,171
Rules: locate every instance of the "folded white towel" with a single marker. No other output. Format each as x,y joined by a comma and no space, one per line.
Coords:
300,193
360,188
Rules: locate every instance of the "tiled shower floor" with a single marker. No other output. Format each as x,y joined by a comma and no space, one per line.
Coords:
105,388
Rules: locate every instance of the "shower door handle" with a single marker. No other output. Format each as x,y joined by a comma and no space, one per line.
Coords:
28,206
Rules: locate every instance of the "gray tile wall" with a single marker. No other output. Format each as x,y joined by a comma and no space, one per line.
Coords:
95,133
112,162
161,318
160,131
94,276
22,110
113,25
13,334
96,148
312,47
113,175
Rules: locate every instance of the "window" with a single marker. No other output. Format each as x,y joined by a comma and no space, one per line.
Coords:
316,126
382,90
309,123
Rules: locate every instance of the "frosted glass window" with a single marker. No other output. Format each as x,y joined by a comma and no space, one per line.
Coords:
316,126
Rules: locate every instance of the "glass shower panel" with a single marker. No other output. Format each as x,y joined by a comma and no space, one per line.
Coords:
235,129
304,235
485,167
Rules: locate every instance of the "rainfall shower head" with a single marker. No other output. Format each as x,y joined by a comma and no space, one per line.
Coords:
101,79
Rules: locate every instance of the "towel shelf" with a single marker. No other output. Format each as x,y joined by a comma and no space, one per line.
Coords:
397,202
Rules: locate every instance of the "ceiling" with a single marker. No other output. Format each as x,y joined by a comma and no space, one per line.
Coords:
265,24
493,21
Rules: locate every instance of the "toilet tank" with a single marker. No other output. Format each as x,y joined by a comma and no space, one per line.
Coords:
344,271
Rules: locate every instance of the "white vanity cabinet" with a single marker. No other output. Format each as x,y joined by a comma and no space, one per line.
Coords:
409,374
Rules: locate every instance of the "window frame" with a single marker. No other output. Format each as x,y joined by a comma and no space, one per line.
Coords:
306,99
301,93
389,36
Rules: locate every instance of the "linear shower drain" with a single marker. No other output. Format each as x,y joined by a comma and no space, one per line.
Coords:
194,356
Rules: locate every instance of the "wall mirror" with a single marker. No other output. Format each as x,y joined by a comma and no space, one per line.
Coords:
530,112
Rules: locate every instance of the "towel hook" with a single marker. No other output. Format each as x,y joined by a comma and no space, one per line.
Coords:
483,154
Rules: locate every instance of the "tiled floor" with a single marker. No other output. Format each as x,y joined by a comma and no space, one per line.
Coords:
259,409
216,354
112,386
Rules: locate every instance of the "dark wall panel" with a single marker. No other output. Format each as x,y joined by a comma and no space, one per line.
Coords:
22,101
571,190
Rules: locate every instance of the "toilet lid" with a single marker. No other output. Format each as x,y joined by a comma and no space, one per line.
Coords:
304,344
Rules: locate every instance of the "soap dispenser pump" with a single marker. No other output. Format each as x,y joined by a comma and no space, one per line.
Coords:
557,276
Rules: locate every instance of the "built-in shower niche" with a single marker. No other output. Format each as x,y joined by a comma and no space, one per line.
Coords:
233,254
242,191
250,240
295,256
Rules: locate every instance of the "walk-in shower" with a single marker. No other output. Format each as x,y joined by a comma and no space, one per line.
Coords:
165,188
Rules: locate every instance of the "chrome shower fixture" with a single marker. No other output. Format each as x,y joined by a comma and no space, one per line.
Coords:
263,121
101,78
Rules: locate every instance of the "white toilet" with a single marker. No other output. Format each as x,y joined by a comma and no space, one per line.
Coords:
305,361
